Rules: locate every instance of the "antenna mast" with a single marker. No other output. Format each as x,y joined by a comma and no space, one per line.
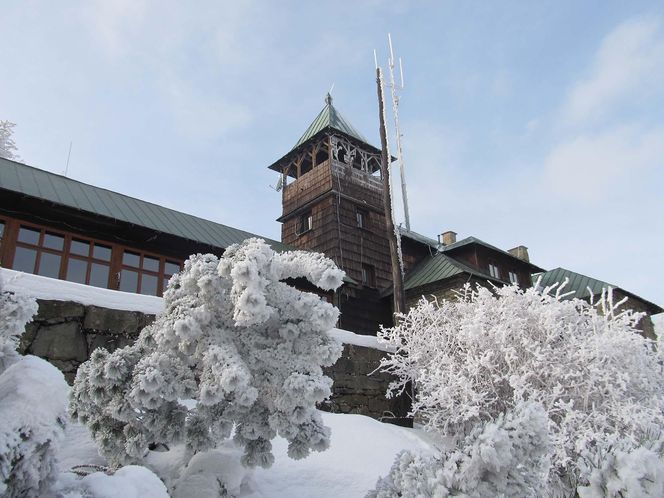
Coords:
394,242
68,156
395,109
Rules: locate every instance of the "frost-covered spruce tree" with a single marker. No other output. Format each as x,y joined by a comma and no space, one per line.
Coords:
474,359
33,402
506,458
247,347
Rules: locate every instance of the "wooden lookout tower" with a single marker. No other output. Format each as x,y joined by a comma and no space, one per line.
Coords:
333,203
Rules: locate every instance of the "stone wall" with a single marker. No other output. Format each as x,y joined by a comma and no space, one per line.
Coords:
65,333
357,389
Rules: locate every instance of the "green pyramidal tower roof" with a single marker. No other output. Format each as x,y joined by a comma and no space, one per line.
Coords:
329,117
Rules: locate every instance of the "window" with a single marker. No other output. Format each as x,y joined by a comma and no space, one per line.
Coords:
2,232
362,218
38,251
494,271
368,276
514,278
306,223
67,256
145,274
89,263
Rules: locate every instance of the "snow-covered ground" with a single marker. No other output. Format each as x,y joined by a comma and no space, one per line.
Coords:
362,450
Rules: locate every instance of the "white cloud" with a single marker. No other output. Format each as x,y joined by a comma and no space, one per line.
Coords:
630,59
594,166
115,23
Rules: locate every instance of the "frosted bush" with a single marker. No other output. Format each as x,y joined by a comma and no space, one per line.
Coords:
131,481
33,399
474,359
505,458
33,413
15,311
615,472
234,337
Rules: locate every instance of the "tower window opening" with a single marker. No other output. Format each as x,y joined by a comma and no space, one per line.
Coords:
322,155
306,166
305,223
362,218
368,275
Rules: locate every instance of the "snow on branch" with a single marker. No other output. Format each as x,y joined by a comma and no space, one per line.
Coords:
474,359
247,347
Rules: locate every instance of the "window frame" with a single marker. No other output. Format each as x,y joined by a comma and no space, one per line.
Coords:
362,218
368,275
305,222
494,270
9,244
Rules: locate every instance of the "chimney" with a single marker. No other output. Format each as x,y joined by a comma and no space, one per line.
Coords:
447,238
520,252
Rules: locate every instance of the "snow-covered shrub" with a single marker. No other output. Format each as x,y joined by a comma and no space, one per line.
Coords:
15,311
474,359
132,481
33,412
505,458
246,346
616,473
33,400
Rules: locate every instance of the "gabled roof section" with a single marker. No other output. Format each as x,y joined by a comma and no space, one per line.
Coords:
439,267
475,240
584,287
329,117
422,239
40,184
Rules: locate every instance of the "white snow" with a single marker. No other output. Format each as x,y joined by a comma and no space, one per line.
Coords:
132,481
60,290
362,450
368,341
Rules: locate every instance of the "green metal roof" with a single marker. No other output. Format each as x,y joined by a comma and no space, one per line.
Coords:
33,182
329,117
439,267
582,286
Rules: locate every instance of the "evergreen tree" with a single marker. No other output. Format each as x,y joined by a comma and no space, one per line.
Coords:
246,346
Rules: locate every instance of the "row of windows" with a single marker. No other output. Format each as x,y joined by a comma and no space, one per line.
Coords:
77,259
306,221
494,271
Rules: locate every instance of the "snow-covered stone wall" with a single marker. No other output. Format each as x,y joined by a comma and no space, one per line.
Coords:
73,320
65,332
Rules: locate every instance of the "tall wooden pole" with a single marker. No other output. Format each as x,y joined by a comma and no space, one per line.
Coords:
397,277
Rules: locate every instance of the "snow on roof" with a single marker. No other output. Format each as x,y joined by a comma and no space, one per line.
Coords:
50,289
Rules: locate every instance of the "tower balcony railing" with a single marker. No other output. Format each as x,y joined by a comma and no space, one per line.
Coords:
357,176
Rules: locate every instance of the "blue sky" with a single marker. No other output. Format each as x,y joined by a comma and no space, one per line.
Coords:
534,123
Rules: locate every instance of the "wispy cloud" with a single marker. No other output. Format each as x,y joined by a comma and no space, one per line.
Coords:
593,167
630,59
